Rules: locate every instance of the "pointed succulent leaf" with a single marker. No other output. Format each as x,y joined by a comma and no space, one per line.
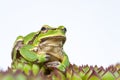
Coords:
108,76
94,76
21,77
75,76
87,75
8,77
57,75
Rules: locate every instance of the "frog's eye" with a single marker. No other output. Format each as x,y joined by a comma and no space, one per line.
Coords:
64,29
44,29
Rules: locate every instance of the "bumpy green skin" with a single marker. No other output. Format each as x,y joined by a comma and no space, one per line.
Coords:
25,58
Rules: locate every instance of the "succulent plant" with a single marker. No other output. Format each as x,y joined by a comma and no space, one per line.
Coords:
73,72
40,56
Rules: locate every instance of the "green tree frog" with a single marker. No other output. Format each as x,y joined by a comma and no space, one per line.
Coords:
41,48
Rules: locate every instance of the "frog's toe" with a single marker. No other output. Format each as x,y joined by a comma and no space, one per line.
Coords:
56,64
53,64
47,57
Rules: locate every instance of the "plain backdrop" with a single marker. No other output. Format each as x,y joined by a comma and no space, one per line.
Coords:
93,27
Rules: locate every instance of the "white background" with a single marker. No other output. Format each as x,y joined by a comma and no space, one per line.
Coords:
93,27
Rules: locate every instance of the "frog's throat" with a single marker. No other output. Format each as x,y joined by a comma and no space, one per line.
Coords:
53,46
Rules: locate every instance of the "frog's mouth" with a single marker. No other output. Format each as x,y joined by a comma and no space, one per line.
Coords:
53,46
55,38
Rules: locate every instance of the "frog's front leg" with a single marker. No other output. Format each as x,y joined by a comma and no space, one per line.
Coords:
27,52
65,63
60,65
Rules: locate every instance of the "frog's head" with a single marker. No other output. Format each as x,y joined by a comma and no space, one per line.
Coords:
49,33
50,40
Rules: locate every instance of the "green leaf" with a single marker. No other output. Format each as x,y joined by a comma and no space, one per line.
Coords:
21,77
94,78
108,76
8,77
35,69
27,68
75,76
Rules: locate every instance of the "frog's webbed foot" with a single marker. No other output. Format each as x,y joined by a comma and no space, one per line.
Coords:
53,64
56,64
